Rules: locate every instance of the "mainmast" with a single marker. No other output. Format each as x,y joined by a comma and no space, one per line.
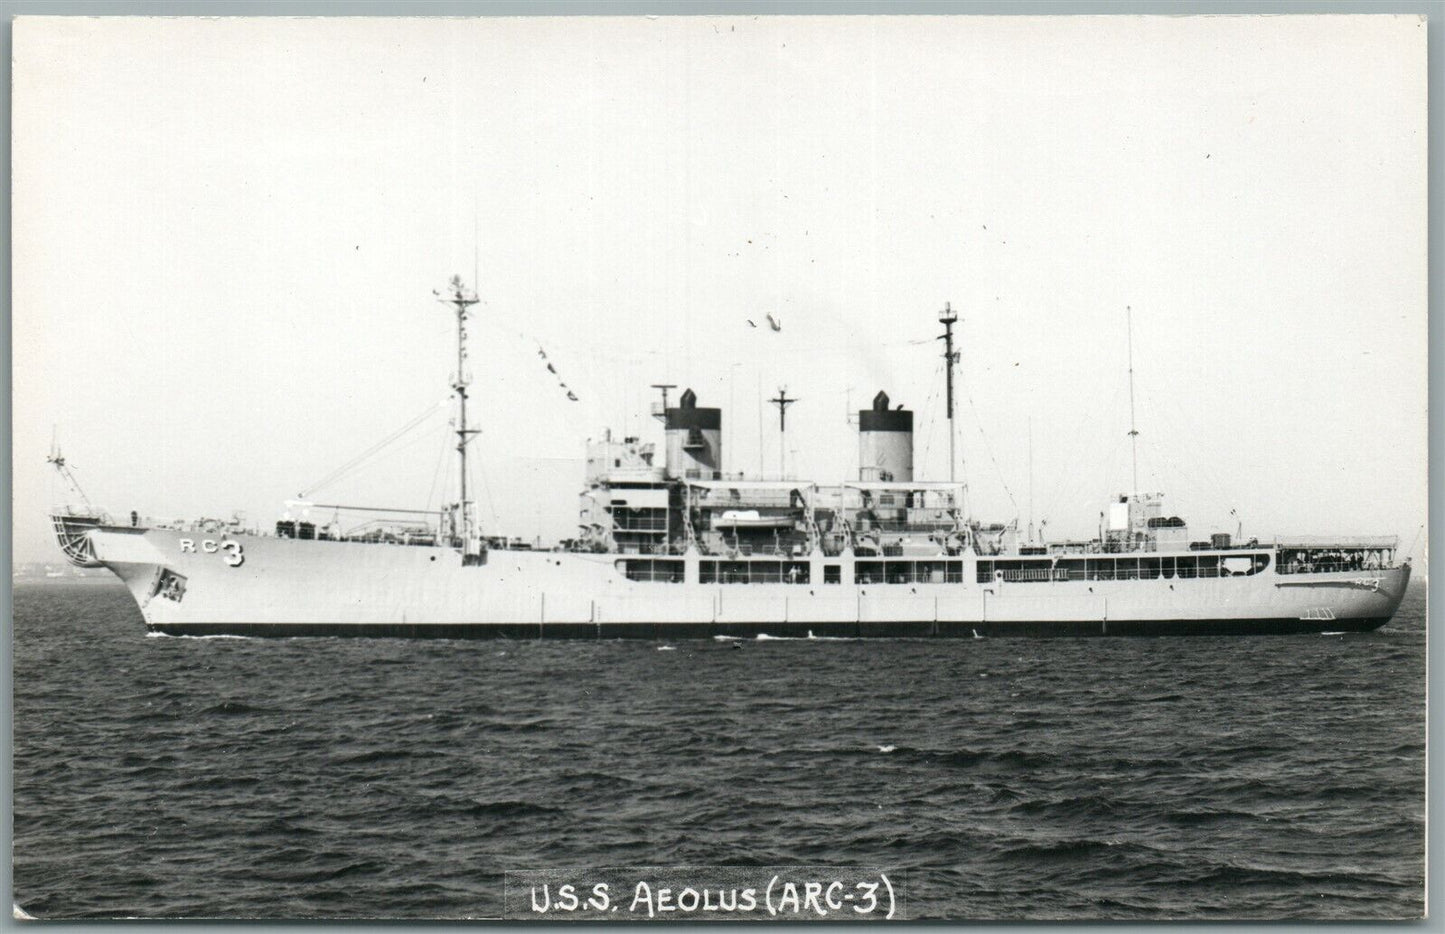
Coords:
462,300
1133,431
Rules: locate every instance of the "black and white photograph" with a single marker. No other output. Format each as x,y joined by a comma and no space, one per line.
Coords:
677,468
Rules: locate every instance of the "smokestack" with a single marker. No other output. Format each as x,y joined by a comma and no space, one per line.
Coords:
694,440
885,442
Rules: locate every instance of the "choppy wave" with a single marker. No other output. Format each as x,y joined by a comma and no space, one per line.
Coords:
1207,778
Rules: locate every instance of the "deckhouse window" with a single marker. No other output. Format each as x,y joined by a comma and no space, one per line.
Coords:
1102,568
754,572
908,572
651,569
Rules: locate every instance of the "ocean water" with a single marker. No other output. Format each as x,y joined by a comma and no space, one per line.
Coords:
1200,778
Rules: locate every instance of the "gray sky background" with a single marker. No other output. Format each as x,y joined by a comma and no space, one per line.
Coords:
227,233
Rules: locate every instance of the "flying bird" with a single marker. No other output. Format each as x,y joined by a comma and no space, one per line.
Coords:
750,323
775,323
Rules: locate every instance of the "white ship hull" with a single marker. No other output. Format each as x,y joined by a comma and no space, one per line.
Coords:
190,584
680,548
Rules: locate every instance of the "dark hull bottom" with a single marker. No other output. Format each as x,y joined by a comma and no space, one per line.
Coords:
885,630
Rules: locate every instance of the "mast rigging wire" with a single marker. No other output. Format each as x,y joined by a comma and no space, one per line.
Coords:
406,450
1068,482
928,407
356,461
436,474
1200,475
487,494
1411,553
978,422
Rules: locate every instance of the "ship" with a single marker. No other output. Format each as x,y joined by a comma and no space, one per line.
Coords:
675,547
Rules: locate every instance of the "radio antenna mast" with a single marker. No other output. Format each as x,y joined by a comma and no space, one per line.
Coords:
947,317
1133,429
782,402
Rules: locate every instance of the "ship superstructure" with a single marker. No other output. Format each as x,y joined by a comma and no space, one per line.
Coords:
677,546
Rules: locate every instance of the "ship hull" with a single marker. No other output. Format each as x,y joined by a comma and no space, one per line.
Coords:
765,630
187,584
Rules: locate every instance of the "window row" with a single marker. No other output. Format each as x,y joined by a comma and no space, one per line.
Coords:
1133,568
908,572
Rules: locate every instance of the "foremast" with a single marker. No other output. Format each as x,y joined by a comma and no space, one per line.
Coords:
465,524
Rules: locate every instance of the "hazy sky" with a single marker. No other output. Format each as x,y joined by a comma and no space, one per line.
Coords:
227,233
